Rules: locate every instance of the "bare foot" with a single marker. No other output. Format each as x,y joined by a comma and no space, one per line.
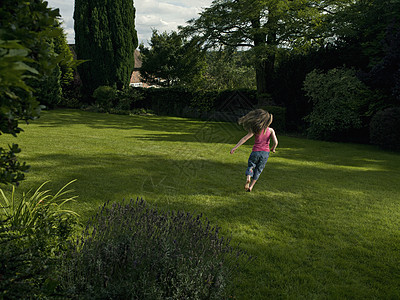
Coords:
247,186
251,186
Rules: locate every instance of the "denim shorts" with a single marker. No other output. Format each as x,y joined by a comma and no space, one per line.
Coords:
256,164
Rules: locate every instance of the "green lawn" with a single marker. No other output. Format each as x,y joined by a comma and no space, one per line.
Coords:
323,220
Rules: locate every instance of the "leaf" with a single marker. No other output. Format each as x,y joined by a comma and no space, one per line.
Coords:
22,66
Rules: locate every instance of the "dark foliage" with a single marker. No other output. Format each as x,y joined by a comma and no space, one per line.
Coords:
72,95
26,61
340,101
104,97
48,88
225,105
291,72
385,129
105,36
29,261
168,101
130,251
279,115
385,75
11,170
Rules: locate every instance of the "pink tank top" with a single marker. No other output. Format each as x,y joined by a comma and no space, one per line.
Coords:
261,142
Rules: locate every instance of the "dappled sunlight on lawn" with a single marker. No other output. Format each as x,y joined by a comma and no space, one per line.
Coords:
327,166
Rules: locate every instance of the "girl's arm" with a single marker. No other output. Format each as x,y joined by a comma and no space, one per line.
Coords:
274,140
242,141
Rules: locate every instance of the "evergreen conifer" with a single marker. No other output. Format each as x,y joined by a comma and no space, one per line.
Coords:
105,36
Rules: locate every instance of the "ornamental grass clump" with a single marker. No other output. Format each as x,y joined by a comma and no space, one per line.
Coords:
34,232
34,209
131,251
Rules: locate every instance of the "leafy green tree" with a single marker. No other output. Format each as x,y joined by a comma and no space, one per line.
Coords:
266,27
340,101
25,31
367,22
105,36
67,65
365,39
170,60
370,43
227,70
385,75
47,87
376,32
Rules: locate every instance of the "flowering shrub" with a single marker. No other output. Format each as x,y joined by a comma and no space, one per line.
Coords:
130,251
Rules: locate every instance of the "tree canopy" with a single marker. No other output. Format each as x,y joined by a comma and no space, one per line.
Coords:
375,35
227,70
170,60
266,27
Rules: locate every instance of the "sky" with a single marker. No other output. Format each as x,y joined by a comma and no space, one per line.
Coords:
163,15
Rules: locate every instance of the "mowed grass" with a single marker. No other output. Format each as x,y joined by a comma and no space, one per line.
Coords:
323,219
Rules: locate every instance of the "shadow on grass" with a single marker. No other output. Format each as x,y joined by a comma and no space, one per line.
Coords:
339,154
199,129
106,177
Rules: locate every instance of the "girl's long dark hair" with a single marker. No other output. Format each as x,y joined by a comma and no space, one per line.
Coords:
256,121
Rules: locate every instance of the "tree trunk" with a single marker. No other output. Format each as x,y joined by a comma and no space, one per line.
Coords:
264,66
264,72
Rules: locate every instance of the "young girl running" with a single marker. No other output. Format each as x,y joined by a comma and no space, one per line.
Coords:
257,123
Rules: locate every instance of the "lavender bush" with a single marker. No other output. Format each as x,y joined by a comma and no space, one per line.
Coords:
130,251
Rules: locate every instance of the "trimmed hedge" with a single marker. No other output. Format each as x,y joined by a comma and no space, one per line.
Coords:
167,101
226,106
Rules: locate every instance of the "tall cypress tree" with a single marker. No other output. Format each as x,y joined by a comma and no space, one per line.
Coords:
105,36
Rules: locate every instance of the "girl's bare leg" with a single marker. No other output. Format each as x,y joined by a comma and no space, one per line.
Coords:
247,185
253,182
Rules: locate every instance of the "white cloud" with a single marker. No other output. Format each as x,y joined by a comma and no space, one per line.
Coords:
163,15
